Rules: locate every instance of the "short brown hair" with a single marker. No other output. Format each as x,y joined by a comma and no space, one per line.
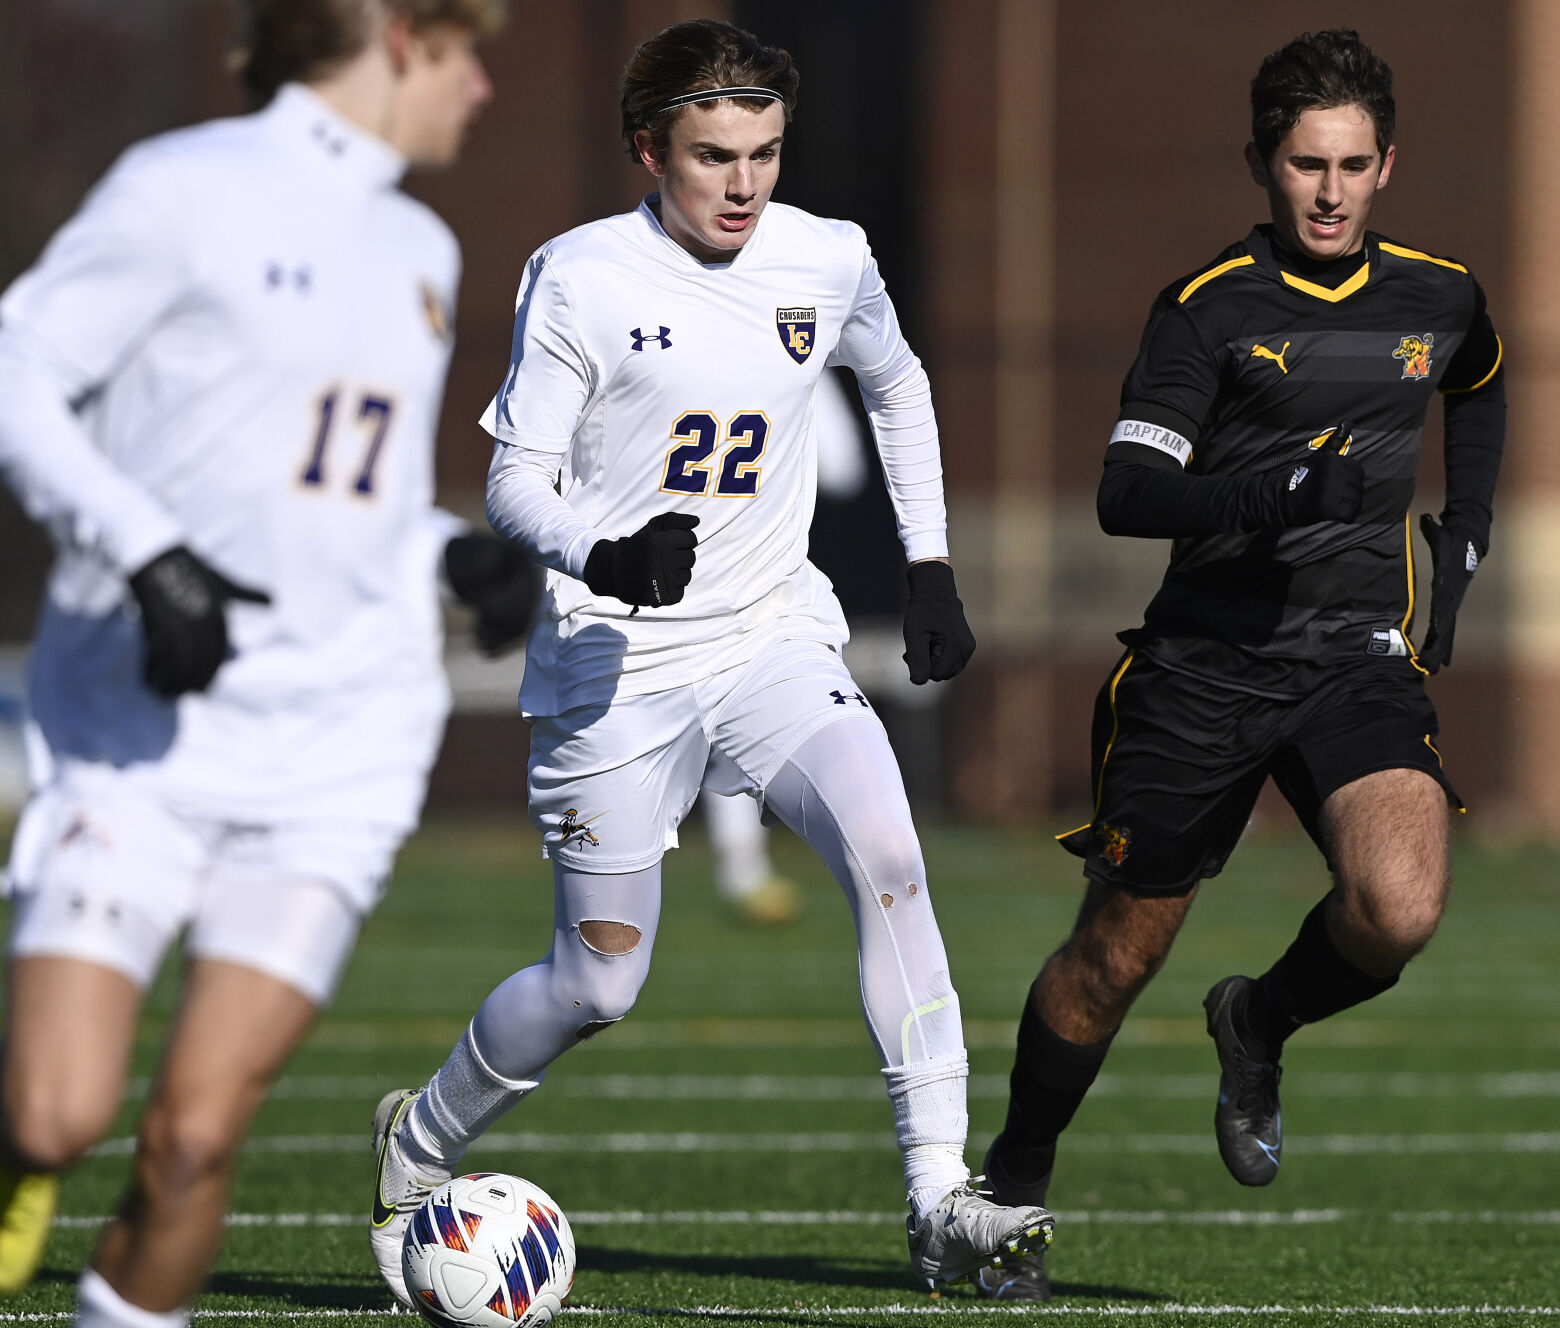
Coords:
698,56
1317,71
294,41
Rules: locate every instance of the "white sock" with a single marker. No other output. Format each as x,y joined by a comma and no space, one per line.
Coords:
461,1101
98,1305
931,1122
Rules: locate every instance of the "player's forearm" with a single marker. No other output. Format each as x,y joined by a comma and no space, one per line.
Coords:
904,427
57,473
525,508
1153,502
1475,438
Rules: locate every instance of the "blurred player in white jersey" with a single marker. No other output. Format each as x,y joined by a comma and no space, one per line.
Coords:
660,397
219,387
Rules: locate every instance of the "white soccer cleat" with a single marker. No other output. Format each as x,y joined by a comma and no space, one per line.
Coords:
966,1232
398,1190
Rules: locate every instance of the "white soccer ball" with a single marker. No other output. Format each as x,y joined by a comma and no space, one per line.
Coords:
489,1249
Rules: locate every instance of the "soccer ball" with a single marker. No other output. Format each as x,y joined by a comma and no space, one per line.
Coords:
488,1249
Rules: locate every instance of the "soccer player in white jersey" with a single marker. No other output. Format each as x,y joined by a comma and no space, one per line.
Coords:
658,409
219,387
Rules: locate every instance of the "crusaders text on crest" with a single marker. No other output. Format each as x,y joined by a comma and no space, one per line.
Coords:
796,328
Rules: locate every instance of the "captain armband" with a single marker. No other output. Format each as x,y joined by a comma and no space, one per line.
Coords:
1156,436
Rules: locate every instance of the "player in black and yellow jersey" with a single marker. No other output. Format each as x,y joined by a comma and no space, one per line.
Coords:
1271,426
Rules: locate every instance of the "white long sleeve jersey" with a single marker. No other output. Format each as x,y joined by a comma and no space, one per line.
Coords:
643,381
239,343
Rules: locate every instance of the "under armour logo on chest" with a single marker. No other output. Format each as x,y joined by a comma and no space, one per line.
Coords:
840,698
279,277
662,339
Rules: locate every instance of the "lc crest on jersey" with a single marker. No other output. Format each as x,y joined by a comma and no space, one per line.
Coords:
1415,354
796,328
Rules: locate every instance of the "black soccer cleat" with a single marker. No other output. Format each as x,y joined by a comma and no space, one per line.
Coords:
1020,1276
1247,1121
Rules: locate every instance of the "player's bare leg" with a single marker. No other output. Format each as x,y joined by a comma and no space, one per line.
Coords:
234,1030
1387,838
66,1056
1119,941
1083,993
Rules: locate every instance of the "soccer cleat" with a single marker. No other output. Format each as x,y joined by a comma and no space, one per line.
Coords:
774,902
26,1214
966,1231
1020,1276
1247,1120
398,1190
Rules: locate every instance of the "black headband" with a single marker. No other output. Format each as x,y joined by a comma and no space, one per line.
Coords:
717,94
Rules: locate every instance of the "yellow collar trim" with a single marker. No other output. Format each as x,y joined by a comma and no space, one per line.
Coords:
1401,252
1322,293
1191,287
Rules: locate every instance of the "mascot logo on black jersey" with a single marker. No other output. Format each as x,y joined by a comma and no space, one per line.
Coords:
796,328
1415,354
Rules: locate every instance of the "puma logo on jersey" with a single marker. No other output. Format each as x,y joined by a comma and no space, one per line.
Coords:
663,338
796,328
1263,353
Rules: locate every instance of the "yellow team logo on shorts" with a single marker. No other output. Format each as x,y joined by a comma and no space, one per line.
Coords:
1115,842
796,328
1415,354
579,831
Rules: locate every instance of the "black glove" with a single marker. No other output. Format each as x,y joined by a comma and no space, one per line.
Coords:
181,603
1454,558
499,582
651,566
1325,486
938,641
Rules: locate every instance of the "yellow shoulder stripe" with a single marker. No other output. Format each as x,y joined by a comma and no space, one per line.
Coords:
1423,258
1210,274
1331,296
1500,354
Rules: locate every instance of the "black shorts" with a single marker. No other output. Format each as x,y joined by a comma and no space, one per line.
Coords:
1178,762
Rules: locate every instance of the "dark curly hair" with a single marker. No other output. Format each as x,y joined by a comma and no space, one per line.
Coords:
697,56
1317,71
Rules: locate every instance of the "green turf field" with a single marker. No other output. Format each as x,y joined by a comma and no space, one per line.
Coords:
727,1152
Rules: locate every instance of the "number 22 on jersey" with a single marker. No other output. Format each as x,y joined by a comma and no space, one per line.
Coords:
373,414
696,435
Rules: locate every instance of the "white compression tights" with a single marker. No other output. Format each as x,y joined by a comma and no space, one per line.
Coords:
840,791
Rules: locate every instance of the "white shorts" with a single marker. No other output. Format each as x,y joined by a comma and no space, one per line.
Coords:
609,784
105,874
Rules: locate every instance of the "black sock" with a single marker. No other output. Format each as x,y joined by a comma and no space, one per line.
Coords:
1050,1077
1310,981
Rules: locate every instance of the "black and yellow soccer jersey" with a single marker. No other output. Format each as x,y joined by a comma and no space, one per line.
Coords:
1244,367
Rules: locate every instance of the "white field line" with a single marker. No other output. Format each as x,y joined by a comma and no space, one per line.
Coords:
985,1087
1152,1217
693,1141
824,1032
921,1309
